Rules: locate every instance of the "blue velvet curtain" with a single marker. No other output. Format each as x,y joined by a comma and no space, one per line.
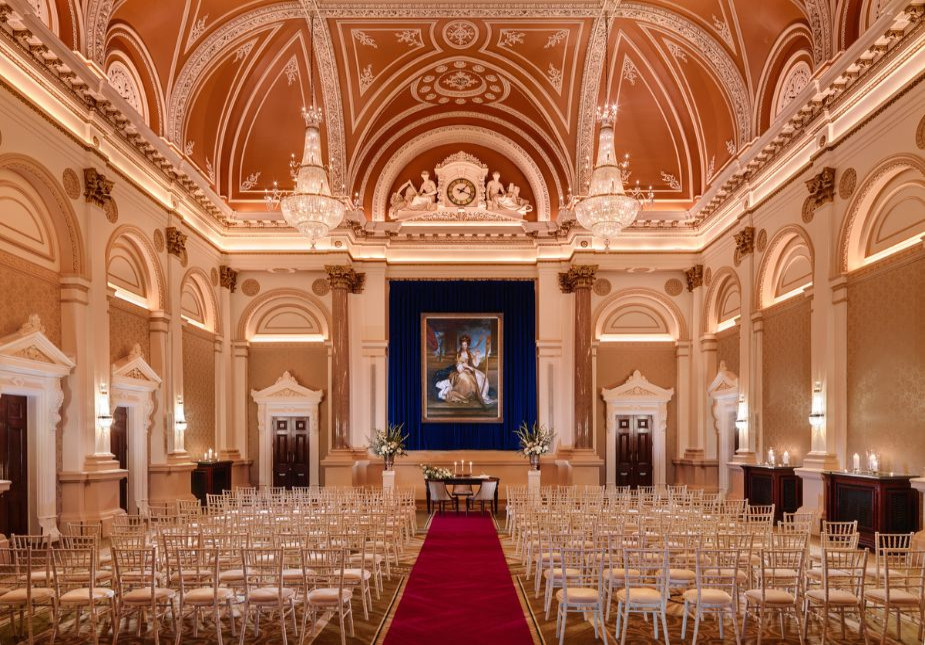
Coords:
516,301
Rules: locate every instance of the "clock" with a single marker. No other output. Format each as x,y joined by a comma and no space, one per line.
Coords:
460,192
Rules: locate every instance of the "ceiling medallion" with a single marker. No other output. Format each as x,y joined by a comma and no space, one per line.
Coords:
460,34
460,82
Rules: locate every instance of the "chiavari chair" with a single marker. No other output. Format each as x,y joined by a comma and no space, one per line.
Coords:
582,589
22,591
76,585
842,590
139,590
716,590
900,588
778,588
194,573
265,591
324,577
645,589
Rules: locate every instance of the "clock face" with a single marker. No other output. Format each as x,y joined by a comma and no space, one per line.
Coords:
461,192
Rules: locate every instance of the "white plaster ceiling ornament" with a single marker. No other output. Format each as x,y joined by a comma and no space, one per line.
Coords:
125,82
460,82
159,243
250,287
71,183
848,182
460,34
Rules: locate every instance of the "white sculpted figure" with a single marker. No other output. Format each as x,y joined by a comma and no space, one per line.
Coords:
416,199
512,201
493,190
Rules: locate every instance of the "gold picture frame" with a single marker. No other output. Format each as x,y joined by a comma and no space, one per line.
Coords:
462,368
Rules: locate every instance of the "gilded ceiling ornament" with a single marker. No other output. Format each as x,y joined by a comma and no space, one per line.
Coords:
762,242
745,243
159,244
97,189
822,187
920,134
673,287
602,287
345,277
579,276
176,241
848,182
694,277
251,287
71,183
228,277
320,287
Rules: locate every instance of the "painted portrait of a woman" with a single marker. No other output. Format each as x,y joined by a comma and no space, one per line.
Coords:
463,383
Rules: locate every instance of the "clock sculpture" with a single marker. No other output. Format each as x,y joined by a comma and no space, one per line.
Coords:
462,191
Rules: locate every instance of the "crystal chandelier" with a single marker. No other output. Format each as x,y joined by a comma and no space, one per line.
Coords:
607,208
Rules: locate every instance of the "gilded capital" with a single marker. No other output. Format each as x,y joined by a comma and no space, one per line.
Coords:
745,243
822,187
176,241
97,189
344,277
228,277
579,276
694,277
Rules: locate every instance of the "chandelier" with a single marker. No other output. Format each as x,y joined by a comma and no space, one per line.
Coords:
607,208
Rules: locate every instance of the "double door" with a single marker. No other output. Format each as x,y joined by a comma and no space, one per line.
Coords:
118,445
290,451
14,465
634,450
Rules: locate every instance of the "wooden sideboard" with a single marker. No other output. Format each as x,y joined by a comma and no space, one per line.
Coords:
879,502
210,478
777,485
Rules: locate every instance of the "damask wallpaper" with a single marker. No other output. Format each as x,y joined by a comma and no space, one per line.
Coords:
128,325
308,363
886,366
658,363
787,380
199,390
727,349
24,292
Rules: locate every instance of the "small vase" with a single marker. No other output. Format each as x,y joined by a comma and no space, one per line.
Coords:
389,461
534,462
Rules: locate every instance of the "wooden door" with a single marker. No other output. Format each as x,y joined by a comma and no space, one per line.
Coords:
118,446
14,465
290,451
634,450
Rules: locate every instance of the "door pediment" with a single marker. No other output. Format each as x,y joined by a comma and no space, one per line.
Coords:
286,389
29,351
134,373
637,388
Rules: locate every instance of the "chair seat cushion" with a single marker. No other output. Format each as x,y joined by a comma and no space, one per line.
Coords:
269,594
18,596
556,572
681,575
708,596
836,596
771,596
781,572
640,596
83,595
357,574
144,595
231,575
329,596
207,595
579,595
897,596
293,574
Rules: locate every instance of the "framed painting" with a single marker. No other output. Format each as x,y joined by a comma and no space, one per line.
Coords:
461,368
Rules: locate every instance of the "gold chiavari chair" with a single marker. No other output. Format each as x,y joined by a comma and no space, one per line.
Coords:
20,593
195,573
900,588
779,583
139,590
77,587
842,590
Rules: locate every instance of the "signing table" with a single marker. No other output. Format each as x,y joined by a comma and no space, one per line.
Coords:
462,481
880,502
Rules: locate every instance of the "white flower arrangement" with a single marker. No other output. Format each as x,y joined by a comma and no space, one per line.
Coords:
536,440
390,442
435,472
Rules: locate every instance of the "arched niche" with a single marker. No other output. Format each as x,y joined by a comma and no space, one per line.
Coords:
637,396
132,385
886,214
286,398
787,267
723,302
724,393
283,313
634,314
132,268
197,301
32,366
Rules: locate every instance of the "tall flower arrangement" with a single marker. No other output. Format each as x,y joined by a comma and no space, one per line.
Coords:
389,443
534,440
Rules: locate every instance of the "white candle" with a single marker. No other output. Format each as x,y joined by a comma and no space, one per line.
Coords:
856,461
786,458
873,464
454,467
771,458
470,467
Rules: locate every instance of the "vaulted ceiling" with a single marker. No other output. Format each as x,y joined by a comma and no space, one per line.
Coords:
517,85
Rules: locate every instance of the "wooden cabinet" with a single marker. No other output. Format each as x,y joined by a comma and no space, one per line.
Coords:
884,503
777,485
210,478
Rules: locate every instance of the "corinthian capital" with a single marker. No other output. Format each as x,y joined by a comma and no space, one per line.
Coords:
579,276
344,277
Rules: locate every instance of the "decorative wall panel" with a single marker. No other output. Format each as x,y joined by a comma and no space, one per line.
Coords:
23,292
308,364
128,326
615,364
727,349
787,380
886,366
199,390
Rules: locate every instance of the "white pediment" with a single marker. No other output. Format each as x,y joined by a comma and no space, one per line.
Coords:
637,388
286,388
726,383
29,351
133,372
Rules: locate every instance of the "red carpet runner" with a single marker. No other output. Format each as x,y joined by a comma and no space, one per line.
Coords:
460,589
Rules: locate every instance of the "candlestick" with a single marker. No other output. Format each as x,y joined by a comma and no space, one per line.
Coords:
470,467
856,462
454,468
786,458
772,459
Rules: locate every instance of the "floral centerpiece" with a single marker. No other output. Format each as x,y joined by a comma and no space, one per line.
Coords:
389,443
435,472
535,440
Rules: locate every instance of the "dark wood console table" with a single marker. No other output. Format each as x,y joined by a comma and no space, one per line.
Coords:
777,485
472,481
884,503
210,478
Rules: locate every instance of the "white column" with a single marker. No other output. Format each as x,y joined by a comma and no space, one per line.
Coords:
369,316
78,438
686,434
159,326
755,392
706,370
554,332
176,449
239,396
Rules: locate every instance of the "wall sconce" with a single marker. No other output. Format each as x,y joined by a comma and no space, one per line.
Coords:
181,425
104,388
741,415
105,421
817,408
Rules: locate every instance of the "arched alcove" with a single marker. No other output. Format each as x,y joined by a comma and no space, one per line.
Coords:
787,267
197,301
